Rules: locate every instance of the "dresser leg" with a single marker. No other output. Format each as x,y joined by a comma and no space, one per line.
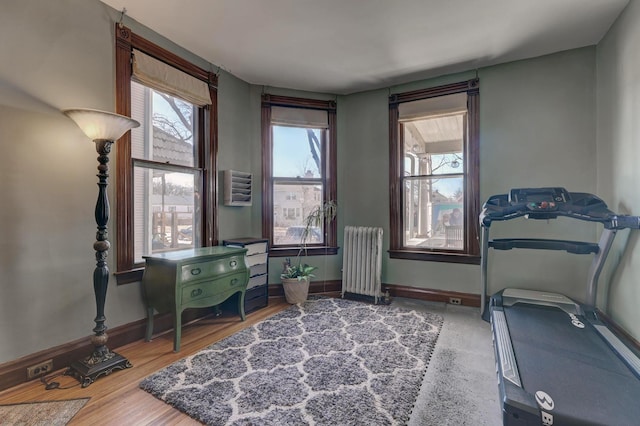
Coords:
177,327
149,325
241,305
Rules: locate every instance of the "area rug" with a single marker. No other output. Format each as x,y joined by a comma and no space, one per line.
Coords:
41,413
325,362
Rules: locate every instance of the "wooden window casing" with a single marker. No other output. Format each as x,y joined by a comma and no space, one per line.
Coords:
471,252
207,129
329,173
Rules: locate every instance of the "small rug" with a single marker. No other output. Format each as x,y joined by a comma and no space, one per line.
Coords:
41,413
325,362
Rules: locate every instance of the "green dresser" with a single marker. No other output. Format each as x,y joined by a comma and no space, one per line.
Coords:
194,278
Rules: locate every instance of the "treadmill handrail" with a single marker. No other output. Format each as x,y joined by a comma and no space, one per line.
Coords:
612,221
574,247
575,205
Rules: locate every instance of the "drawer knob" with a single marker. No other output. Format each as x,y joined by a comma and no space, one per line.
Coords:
233,263
233,282
196,292
196,271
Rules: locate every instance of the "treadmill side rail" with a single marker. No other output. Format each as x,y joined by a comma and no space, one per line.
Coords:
508,365
629,358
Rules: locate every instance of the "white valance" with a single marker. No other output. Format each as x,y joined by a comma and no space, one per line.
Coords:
300,117
165,78
440,105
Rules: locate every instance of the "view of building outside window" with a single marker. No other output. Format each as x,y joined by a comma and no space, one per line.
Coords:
166,180
434,181
297,183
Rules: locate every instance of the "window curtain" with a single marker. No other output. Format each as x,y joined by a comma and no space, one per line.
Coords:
440,105
167,79
300,117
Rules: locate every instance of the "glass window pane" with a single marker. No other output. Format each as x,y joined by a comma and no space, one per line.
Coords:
167,133
292,203
446,163
433,213
296,152
433,145
166,210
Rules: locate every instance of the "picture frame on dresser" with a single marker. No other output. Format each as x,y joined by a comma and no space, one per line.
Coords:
257,260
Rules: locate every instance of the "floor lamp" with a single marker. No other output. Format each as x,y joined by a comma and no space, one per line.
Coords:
104,128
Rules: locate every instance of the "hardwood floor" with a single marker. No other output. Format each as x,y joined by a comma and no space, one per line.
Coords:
116,399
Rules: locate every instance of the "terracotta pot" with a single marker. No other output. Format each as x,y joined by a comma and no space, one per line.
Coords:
295,291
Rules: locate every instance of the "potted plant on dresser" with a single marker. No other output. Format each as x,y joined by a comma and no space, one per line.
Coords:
296,276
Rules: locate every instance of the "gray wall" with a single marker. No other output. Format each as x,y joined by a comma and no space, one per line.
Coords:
618,156
58,55
537,128
537,124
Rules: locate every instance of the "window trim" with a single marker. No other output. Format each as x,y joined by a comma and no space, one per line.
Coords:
127,270
471,254
329,175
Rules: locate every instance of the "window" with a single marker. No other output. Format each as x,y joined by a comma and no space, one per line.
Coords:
299,171
165,182
166,179
434,174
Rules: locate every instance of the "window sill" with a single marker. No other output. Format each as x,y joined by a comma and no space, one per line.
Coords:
131,276
448,257
309,251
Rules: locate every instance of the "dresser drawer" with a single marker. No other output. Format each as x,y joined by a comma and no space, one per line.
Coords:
257,281
252,248
258,270
208,289
257,259
200,270
256,248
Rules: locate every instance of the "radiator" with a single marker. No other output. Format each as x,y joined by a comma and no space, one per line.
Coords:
362,261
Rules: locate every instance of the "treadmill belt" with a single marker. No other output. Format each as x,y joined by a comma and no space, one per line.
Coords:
588,382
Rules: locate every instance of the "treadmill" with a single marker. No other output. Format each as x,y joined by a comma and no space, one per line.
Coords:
557,362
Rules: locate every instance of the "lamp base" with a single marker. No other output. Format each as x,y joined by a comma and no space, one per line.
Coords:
87,370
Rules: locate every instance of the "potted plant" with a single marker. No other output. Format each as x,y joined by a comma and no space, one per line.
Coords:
295,281
297,276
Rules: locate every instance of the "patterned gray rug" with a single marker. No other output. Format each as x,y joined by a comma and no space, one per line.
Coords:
326,362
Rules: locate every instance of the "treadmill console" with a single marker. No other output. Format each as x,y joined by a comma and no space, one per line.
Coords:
549,203
539,199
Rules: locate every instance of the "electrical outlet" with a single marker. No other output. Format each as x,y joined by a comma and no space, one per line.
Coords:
41,369
455,301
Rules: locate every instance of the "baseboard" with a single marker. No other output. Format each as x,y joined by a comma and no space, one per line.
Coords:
465,299
335,286
15,372
619,331
315,287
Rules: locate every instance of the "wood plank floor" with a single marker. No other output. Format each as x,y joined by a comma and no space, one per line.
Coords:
116,399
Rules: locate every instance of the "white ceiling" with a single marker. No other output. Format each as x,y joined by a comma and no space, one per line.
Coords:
347,46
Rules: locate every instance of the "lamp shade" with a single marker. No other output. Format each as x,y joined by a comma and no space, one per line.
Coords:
101,124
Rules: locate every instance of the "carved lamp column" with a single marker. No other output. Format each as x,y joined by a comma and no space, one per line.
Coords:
103,128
